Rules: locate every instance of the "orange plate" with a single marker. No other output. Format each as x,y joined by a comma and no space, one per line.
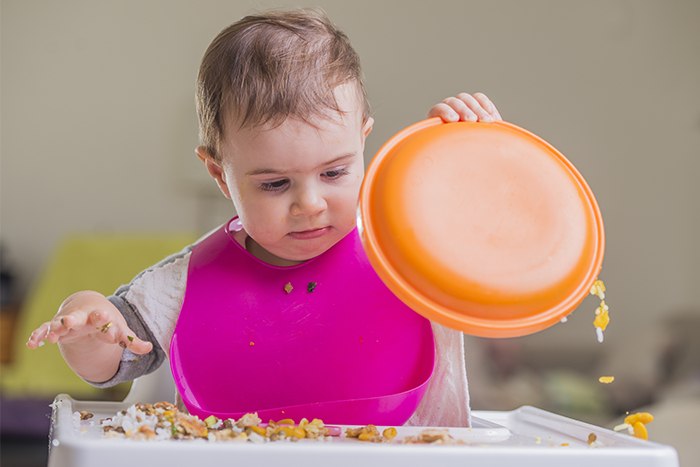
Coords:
482,227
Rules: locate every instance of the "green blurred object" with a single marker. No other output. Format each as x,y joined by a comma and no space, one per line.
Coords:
100,262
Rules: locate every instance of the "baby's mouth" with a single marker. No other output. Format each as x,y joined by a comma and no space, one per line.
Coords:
310,233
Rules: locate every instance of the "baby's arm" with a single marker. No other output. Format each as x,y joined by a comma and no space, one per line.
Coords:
466,107
91,334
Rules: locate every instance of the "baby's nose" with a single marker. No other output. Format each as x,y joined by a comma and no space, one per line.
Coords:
309,201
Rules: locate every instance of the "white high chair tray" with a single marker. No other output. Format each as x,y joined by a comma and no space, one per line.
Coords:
526,436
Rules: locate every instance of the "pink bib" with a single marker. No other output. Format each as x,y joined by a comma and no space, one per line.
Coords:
323,339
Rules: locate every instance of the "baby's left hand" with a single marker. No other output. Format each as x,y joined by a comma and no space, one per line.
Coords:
466,107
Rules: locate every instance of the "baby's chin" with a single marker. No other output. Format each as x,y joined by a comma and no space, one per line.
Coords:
299,252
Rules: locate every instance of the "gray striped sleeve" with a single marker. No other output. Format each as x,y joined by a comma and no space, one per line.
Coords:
132,365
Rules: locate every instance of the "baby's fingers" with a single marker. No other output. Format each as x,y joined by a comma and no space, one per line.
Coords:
445,112
118,333
135,345
475,106
39,335
487,105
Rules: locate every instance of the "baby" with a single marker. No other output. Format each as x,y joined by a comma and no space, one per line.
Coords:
283,118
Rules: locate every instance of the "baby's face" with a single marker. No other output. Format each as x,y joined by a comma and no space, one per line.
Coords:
296,186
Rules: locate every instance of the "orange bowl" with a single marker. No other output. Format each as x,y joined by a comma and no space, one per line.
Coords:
482,227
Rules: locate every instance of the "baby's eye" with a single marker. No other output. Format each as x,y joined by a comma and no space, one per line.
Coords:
335,173
277,185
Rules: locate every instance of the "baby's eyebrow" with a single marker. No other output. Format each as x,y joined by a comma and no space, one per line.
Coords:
281,172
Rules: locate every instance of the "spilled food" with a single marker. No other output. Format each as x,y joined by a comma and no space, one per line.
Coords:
635,424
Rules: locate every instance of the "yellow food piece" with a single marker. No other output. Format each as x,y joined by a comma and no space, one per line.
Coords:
259,430
598,289
638,423
366,436
640,430
389,433
288,287
642,417
606,379
288,421
602,318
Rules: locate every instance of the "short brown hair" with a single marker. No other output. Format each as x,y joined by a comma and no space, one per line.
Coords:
268,67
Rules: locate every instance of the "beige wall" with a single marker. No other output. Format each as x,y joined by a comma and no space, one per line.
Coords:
98,124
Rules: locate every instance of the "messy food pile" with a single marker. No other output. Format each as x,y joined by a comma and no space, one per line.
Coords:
163,421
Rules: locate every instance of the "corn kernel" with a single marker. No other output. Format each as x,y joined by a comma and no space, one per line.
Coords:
259,430
642,417
287,430
606,379
640,430
389,433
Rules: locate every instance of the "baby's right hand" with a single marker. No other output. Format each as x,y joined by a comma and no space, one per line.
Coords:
88,319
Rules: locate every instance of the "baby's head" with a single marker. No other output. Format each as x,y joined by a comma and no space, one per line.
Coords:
283,117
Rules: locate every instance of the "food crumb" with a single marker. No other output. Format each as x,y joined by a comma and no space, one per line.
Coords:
85,415
598,289
311,287
602,319
592,438
606,379
288,287
251,343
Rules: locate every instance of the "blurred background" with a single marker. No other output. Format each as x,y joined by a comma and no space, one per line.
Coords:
99,178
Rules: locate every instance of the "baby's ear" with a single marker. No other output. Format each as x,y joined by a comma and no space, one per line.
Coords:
214,168
367,127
